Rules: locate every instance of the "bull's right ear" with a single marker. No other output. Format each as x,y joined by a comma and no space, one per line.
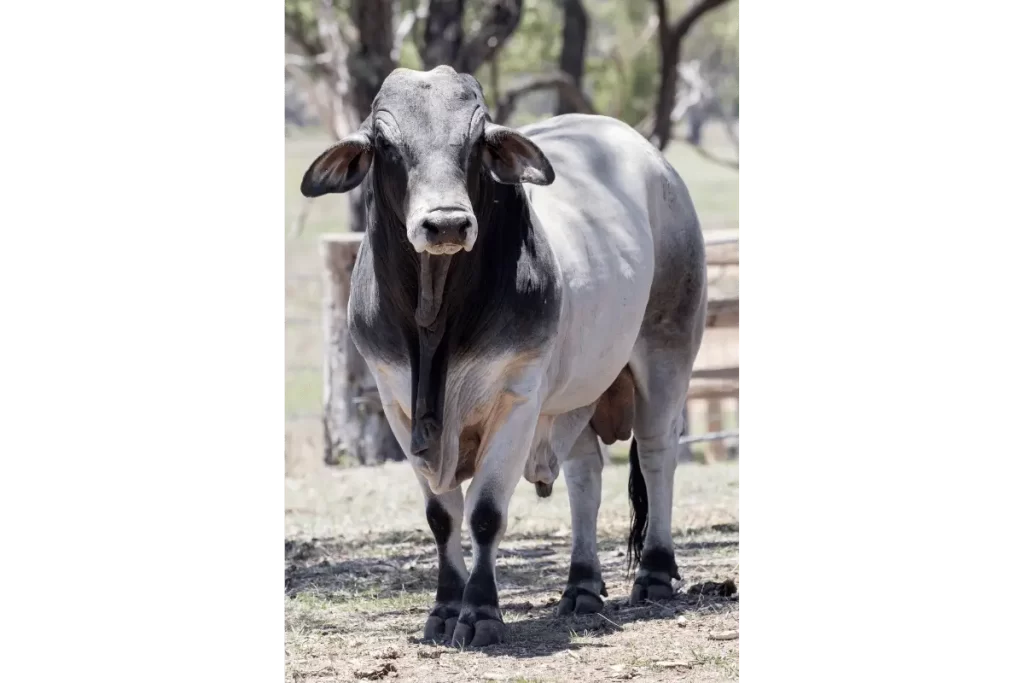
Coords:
342,167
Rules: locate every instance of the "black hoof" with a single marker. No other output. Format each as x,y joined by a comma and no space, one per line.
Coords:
481,634
478,627
441,623
579,600
655,586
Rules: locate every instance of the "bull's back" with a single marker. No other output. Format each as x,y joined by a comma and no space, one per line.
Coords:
603,218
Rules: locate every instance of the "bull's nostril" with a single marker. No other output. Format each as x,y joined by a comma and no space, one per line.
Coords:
443,226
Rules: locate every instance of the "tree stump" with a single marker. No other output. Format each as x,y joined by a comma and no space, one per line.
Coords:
353,419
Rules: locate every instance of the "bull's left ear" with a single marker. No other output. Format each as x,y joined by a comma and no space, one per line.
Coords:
342,167
512,158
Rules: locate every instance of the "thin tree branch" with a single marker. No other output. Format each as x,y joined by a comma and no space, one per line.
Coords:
691,16
306,61
560,81
500,22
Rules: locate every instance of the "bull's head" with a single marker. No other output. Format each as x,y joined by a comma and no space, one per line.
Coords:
431,136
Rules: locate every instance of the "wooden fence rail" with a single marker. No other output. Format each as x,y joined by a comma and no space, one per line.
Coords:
353,420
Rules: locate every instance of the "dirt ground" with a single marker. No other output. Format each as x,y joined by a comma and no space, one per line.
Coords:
360,569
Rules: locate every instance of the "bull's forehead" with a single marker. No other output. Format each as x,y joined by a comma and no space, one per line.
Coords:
430,104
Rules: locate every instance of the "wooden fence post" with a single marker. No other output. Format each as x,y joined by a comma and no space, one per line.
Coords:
716,449
354,422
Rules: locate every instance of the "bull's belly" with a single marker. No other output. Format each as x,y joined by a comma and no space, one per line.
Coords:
606,266
595,345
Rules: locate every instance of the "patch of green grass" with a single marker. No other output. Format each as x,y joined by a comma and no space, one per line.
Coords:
303,392
364,600
579,638
728,665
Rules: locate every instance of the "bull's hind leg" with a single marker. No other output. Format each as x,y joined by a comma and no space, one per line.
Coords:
610,419
662,366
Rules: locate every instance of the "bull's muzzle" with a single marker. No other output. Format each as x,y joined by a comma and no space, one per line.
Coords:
445,231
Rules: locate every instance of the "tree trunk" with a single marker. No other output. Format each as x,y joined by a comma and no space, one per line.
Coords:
670,44
442,36
368,65
574,50
354,422
667,88
358,422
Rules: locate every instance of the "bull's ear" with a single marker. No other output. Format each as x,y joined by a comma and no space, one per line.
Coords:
513,158
342,167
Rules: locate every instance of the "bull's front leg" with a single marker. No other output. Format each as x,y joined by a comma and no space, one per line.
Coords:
501,465
444,515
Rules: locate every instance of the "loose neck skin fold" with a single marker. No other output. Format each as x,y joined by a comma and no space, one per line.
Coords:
442,301
430,323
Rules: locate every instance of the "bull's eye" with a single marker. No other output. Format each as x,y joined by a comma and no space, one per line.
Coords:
386,149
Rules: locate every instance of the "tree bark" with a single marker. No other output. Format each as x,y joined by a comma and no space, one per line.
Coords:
442,36
445,43
670,39
497,25
368,65
574,51
354,421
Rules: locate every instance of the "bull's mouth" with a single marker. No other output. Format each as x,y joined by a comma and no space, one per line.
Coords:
444,249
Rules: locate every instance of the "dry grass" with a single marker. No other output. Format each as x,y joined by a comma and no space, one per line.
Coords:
360,571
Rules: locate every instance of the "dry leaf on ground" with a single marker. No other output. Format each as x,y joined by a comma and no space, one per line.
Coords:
725,635
378,673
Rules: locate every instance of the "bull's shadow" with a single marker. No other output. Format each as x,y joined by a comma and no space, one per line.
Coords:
394,579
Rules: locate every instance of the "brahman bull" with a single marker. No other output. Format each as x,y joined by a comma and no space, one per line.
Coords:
519,295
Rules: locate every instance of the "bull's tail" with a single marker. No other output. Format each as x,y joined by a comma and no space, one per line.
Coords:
638,509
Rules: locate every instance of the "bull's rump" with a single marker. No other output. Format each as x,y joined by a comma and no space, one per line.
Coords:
601,216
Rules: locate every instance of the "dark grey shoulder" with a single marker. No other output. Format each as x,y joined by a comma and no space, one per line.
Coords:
377,330
515,300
